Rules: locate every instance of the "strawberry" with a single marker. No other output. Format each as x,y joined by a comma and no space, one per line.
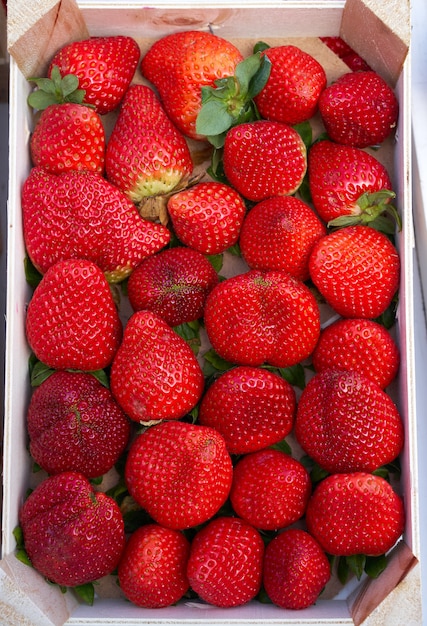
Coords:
180,473
351,58
74,424
294,86
346,423
262,317
73,534
146,155
207,216
359,109
263,159
154,374
81,215
356,269
225,564
355,513
104,67
174,284
289,230
296,569
180,64
152,572
361,345
270,489
72,321
251,407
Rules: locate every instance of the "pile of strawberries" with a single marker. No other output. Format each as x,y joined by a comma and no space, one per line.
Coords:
236,478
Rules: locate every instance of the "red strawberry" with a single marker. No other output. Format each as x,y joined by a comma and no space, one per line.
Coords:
262,317
357,270
225,564
361,345
207,216
355,513
346,53
264,159
251,407
180,473
346,423
289,230
294,86
296,569
152,572
75,424
104,67
355,62
270,489
72,534
81,215
68,136
180,64
154,374
359,109
173,284
146,155
72,321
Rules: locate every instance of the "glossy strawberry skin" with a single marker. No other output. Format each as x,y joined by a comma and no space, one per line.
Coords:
251,407
346,423
354,61
207,216
73,535
152,572
262,317
294,86
154,374
225,564
68,136
174,284
289,230
74,424
296,569
357,271
72,321
270,489
355,513
263,159
104,66
82,215
180,473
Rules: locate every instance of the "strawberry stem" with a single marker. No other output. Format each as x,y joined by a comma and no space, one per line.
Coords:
374,210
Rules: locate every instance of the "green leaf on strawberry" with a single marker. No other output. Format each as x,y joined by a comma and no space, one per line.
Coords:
85,592
214,363
190,331
55,90
374,565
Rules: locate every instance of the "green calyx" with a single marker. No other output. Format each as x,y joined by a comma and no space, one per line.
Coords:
55,90
376,210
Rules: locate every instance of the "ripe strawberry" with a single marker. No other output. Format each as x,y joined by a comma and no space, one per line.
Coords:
180,473
355,513
146,155
270,489
294,86
72,534
359,109
262,317
180,64
207,217
81,215
72,321
68,136
74,424
173,284
296,569
225,564
152,572
346,53
357,270
263,159
346,423
154,374
289,230
251,407
361,345
104,67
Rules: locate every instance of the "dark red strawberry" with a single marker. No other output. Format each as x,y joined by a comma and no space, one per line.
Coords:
351,58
